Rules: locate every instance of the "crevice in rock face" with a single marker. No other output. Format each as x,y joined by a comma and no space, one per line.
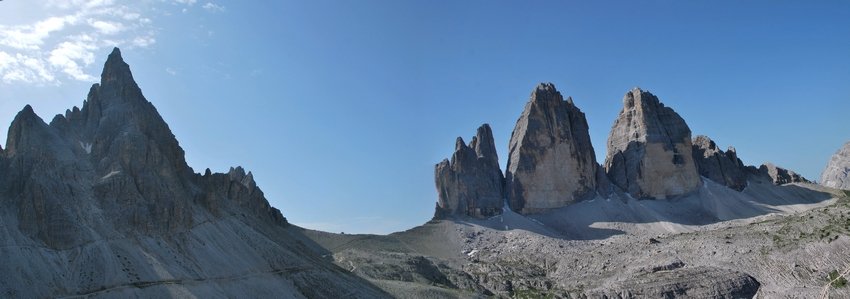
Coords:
551,161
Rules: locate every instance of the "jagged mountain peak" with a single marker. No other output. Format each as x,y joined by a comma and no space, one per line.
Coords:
546,91
115,70
551,161
24,127
649,149
483,143
471,183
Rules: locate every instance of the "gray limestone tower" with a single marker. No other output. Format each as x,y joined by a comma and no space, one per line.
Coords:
471,184
552,163
649,149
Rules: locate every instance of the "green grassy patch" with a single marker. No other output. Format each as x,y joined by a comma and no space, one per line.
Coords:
836,281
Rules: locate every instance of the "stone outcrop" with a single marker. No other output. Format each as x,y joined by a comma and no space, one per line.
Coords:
551,161
697,282
779,175
649,149
837,171
471,183
721,167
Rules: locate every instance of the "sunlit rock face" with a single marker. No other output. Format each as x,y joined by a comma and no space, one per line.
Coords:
837,171
551,160
649,149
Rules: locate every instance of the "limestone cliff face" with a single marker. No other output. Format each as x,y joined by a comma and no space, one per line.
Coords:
721,167
551,160
471,184
837,171
650,150
108,185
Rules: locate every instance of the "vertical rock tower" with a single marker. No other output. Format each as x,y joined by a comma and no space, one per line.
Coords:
650,150
471,184
551,163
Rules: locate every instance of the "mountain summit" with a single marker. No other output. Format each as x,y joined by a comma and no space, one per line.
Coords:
101,202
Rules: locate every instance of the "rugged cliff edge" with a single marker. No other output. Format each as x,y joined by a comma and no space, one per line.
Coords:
649,149
837,171
101,202
471,184
551,161
721,167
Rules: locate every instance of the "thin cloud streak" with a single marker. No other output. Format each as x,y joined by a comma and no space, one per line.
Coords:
62,43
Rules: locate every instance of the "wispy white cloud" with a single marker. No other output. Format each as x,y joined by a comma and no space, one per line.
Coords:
32,36
212,7
171,71
106,27
71,56
61,41
187,2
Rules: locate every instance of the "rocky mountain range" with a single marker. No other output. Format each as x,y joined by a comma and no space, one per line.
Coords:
552,164
100,202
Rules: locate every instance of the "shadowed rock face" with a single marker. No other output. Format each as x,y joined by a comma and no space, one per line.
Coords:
649,149
779,175
118,151
471,184
837,171
721,167
552,163
101,201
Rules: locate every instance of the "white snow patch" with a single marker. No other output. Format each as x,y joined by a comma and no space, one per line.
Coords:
536,221
86,147
110,174
471,253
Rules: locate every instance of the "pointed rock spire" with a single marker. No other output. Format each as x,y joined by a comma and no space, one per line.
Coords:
649,149
115,70
471,184
552,163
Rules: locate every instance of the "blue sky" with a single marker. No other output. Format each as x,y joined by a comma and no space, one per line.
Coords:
341,109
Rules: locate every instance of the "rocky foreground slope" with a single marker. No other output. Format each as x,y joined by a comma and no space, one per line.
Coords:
101,203
766,242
